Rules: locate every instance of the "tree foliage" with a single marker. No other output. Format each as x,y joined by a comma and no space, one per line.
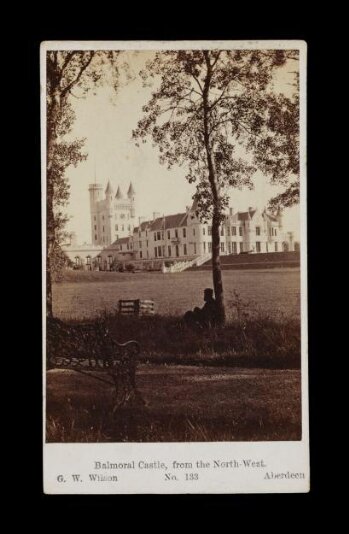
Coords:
70,74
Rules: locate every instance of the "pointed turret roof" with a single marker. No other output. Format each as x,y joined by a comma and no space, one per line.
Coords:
118,193
109,188
130,191
194,206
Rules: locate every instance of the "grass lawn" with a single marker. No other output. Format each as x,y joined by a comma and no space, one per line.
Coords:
84,294
183,403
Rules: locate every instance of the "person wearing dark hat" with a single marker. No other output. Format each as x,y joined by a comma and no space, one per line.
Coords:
206,316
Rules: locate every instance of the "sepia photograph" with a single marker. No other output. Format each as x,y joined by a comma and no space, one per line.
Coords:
174,250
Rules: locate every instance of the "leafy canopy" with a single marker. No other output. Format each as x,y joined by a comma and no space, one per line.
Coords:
250,126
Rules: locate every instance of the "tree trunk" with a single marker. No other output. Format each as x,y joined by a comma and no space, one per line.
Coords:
216,268
49,248
52,117
216,263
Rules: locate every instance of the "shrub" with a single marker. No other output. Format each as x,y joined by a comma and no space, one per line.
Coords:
130,268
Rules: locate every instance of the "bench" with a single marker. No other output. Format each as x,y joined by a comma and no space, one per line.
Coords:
136,307
89,349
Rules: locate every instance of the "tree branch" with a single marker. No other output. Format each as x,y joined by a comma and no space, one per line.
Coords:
78,77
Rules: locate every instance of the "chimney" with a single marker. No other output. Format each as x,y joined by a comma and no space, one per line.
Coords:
140,220
250,208
156,215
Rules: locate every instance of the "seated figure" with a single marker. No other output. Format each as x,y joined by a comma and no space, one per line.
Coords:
206,316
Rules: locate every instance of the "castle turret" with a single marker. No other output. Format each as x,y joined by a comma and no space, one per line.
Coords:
95,191
118,195
109,193
131,196
131,192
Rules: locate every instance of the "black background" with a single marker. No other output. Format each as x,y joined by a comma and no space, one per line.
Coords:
173,22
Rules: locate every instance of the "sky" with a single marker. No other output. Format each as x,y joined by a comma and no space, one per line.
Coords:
106,122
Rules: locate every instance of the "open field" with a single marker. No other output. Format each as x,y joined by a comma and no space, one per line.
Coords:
81,294
183,403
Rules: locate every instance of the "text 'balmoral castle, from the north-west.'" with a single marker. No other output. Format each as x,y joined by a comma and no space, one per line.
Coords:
118,235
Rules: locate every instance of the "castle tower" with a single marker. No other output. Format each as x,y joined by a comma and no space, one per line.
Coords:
95,191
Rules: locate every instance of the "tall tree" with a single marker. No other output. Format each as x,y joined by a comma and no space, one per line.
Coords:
70,74
217,113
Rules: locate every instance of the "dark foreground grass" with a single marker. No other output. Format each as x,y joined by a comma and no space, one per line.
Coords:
182,403
257,342
237,383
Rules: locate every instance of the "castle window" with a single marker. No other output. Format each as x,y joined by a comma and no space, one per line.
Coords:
95,227
229,248
209,244
222,247
129,227
103,228
233,245
228,230
258,230
169,250
222,230
158,236
276,246
194,231
209,230
94,217
241,247
204,243
122,228
168,234
203,231
240,230
159,251
116,227
140,244
140,254
184,233
147,243
185,250
233,230
176,233
276,232
195,248
95,237
258,246
162,235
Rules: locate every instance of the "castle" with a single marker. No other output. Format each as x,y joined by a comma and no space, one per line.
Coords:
117,236
177,237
